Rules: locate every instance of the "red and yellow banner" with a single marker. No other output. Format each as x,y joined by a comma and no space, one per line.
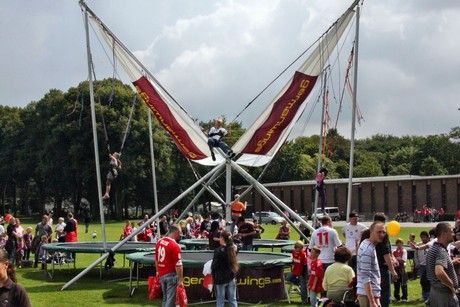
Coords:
167,120
283,111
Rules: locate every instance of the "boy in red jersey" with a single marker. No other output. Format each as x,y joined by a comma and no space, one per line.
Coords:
168,264
299,270
400,253
315,283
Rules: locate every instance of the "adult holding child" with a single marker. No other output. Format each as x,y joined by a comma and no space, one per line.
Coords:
42,229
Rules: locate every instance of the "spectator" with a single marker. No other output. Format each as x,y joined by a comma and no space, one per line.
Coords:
3,239
400,255
28,237
168,263
411,256
12,241
441,214
50,218
246,233
164,225
237,211
299,270
420,256
327,239
188,228
224,268
440,269
205,226
214,236
369,285
339,276
386,262
258,227
284,231
134,228
87,219
59,230
42,229
315,282
127,230
70,230
457,215
41,254
20,250
11,293
222,222
352,232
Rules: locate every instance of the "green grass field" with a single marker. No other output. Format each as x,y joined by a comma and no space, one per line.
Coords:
90,290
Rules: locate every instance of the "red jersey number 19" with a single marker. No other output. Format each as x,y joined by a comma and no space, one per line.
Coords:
161,254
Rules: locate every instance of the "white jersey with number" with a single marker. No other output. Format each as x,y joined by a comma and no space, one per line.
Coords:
327,239
352,234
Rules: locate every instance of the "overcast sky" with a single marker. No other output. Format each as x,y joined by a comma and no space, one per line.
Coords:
216,56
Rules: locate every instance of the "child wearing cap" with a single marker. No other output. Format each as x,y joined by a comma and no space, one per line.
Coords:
28,237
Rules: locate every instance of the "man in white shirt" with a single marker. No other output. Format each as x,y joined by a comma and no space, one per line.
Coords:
327,239
352,233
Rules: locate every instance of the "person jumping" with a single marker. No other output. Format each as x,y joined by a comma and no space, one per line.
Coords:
115,164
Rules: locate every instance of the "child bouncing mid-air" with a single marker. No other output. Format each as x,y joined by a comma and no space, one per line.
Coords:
215,136
320,186
115,164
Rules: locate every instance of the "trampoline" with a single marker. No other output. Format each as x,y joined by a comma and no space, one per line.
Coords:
287,248
192,244
97,247
261,275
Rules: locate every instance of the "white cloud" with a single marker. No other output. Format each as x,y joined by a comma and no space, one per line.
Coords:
215,56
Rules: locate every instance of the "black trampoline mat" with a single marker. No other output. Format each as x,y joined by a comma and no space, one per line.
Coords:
255,242
98,247
199,258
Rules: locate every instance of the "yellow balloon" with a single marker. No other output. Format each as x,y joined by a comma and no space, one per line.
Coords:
393,228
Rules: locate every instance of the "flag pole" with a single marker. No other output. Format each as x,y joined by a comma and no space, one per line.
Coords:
353,117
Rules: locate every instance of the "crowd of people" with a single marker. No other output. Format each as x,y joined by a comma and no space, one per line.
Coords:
429,214
364,267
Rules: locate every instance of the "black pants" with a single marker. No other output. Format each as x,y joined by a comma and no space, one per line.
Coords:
401,283
385,285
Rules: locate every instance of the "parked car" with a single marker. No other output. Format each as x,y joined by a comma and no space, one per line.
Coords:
269,217
333,212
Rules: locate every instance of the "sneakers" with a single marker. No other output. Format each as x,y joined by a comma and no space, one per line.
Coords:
231,154
213,156
404,300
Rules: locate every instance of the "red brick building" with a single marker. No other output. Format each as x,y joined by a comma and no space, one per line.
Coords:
390,194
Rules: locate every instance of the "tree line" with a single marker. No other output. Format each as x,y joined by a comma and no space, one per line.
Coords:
47,155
